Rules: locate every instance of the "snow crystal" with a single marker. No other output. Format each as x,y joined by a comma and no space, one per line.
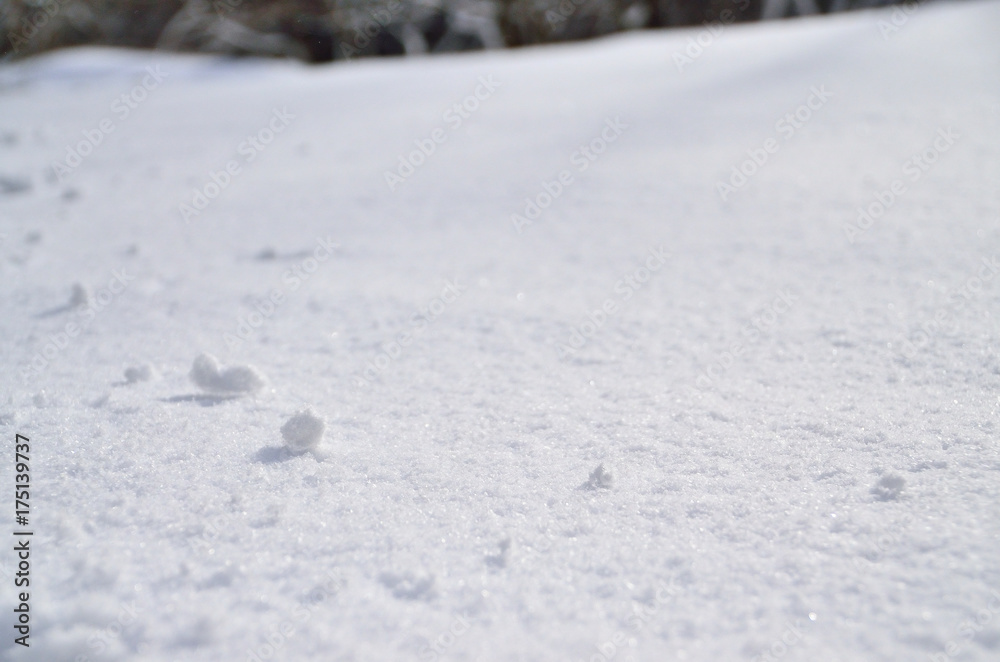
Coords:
599,477
207,374
303,431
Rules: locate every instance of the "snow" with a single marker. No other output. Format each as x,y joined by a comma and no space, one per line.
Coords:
888,487
140,373
799,403
599,478
209,375
303,432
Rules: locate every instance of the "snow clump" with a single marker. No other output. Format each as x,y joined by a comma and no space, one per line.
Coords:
888,487
599,478
139,373
303,431
208,375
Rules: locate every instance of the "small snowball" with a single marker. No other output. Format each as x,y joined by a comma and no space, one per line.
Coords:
888,487
303,431
206,373
599,478
139,373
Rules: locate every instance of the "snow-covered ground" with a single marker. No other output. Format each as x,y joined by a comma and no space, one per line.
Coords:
795,405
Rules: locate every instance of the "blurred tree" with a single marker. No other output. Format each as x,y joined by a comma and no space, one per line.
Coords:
666,13
323,30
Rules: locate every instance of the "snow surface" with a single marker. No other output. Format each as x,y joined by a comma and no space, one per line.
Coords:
828,491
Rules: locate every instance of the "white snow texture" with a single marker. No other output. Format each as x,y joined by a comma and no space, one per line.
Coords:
795,387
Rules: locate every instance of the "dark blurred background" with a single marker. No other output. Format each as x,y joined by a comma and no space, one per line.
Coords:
324,30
